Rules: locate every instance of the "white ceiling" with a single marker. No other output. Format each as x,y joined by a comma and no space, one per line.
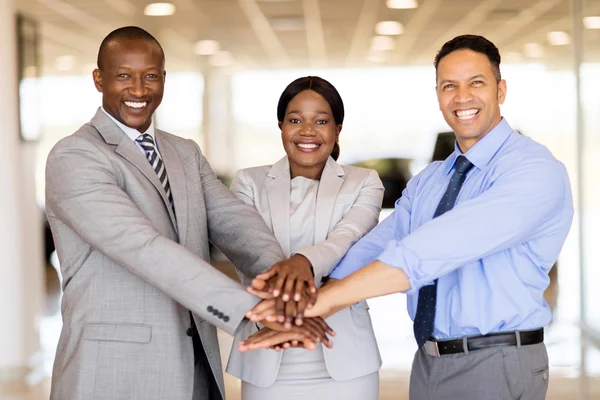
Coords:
320,33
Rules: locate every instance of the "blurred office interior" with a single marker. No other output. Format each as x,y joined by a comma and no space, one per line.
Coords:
227,63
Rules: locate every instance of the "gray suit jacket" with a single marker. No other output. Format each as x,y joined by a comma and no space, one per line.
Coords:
132,268
348,205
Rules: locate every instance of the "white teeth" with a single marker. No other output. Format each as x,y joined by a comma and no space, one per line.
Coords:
307,145
135,104
466,114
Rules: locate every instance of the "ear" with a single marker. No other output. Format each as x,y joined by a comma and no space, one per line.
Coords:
338,129
501,91
164,76
97,75
280,124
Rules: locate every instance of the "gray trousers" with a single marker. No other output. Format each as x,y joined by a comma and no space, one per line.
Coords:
502,373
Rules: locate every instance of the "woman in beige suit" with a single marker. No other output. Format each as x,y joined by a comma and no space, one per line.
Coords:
319,209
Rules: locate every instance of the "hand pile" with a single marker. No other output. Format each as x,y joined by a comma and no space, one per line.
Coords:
288,291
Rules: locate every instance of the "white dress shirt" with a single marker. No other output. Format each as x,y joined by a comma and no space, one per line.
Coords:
134,133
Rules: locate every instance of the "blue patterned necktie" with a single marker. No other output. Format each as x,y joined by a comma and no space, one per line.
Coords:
147,143
425,316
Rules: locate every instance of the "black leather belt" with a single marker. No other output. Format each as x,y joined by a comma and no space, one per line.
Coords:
472,343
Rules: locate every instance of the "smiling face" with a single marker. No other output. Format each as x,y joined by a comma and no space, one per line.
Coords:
469,95
132,81
308,132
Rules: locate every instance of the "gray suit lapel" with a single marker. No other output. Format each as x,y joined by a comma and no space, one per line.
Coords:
129,151
332,179
176,176
278,192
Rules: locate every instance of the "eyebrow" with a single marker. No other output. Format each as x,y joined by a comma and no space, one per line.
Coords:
300,112
478,76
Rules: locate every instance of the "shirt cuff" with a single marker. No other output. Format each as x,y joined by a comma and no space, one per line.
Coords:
396,255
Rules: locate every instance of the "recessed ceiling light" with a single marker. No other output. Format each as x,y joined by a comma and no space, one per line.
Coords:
389,28
558,38
221,58
592,22
65,63
512,56
159,9
206,47
402,4
381,43
377,57
533,50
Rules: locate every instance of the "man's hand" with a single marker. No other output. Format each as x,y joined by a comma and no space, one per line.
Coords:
314,328
276,340
306,336
291,282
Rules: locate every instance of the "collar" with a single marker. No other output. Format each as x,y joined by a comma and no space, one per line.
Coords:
482,153
283,165
130,132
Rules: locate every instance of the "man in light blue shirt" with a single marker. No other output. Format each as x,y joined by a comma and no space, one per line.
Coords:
470,242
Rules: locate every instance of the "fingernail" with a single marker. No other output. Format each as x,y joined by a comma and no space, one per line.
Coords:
275,293
286,297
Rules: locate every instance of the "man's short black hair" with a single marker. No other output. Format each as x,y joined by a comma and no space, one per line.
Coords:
128,33
475,43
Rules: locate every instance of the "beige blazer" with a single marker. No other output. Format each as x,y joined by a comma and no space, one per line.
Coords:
348,205
133,268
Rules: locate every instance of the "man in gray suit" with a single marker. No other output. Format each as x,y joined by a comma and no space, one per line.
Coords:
132,210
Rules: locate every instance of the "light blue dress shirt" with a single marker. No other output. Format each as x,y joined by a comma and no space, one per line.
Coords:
493,250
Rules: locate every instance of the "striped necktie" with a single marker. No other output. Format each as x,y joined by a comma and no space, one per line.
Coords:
147,143
426,303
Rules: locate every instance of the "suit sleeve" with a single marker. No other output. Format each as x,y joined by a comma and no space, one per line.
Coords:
82,191
360,219
237,229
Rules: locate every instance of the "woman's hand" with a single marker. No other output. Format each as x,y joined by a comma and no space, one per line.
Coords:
291,283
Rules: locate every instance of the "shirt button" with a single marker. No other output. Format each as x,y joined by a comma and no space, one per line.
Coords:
209,309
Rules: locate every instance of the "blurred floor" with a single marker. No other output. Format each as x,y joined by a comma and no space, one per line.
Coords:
394,334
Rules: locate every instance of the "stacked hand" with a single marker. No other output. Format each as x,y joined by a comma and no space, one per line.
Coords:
287,290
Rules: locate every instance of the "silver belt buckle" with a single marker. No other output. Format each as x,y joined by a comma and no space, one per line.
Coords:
431,348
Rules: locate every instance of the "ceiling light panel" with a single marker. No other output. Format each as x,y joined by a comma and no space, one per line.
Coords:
159,9
402,4
389,28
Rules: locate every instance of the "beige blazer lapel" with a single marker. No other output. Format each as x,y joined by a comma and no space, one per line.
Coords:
125,147
278,192
176,176
332,179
